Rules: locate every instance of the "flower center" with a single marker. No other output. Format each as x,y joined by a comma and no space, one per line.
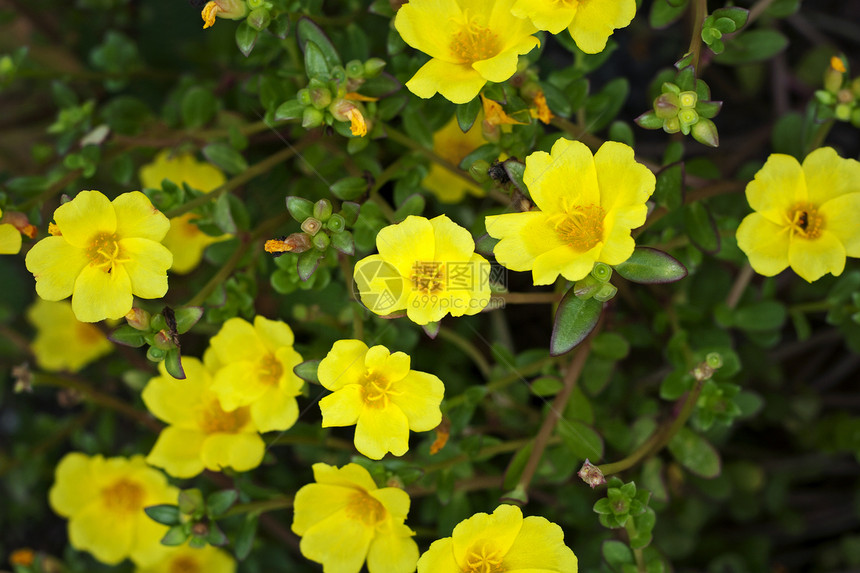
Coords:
484,557
269,370
806,221
376,390
104,252
364,508
474,43
212,419
428,277
581,226
123,496
184,564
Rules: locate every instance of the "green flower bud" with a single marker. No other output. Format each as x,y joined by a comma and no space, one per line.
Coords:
311,226
602,272
706,132
666,106
606,292
373,67
688,99
843,111
669,87
320,97
479,171
312,117
354,69
587,287
259,19
714,360
155,354
833,80
336,223
672,125
191,502
688,116
254,4
303,96
321,241
322,210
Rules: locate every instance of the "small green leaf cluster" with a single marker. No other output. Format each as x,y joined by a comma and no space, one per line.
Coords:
624,503
161,332
721,22
193,518
684,105
841,95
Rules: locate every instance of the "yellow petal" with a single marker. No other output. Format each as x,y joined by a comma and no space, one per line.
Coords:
393,367
175,401
380,285
439,558
764,243
74,485
418,397
812,259
524,236
106,534
350,475
829,176
178,451
623,182
342,407
392,553
238,384
456,82
90,212
315,502
404,244
423,309
395,501
500,528
502,66
10,240
137,217
56,265
777,186
274,410
565,261
146,548
147,266
187,243
237,341
618,247
274,334
344,364
595,20
242,452
550,16
288,358
347,554
566,176
382,430
452,242
181,168
99,295
840,216
411,23
540,547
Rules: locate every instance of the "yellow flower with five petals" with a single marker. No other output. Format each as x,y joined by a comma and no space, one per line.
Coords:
590,22
379,393
102,254
806,216
62,341
587,207
185,559
470,42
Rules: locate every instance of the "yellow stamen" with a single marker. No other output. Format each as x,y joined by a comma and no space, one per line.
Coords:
277,246
484,557
806,221
210,11
377,390
362,507
213,419
123,496
495,115
269,370
184,564
474,43
357,124
54,230
580,226
837,64
541,111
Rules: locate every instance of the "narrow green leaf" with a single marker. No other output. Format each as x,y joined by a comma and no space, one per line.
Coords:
617,553
343,242
186,317
219,502
413,205
574,320
669,191
308,263
316,65
165,514
663,13
173,364
695,453
307,371
290,109
176,535
515,170
753,46
246,38
760,316
245,539
307,31
222,215
349,188
226,157
467,113
650,266
198,107
128,336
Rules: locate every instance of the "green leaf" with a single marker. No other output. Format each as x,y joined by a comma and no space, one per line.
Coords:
300,208
738,16
650,266
222,216
316,65
574,321
186,317
602,108
669,191
515,170
308,263
556,100
644,525
307,371
349,188
622,132
127,336
753,46
198,107
173,364
760,316
165,514
581,440
219,502
280,26
516,466
245,539
649,120
246,38
307,31
224,156
176,535
663,14
701,227
695,453
610,345
675,384
343,242
617,553
413,205
546,386
467,113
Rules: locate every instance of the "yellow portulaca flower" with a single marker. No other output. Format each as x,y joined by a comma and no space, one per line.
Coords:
471,42
200,434
102,254
184,239
806,216
253,366
588,206
10,238
344,519
104,500
377,391
590,22
184,559
501,541
62,341
453,145
428,268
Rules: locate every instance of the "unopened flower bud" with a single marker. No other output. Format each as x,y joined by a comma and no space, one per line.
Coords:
163,340
606,292
312,117
336,223
259,19
714,360
843,112
138,318
322,210
688,99
311,226
833,80
320,97
373,67
672,125
354,69
706,132
666,106
321,241
200,529
587,287
688,116
295,243
232,9
480,171
602,272
591,474
845,96
303,96
155,354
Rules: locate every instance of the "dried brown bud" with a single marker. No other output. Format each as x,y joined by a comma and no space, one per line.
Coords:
591,474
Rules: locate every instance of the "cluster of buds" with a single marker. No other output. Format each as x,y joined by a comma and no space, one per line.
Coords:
193,518
334,97
321,228
161,332
681,107
623,502
596,285
841,93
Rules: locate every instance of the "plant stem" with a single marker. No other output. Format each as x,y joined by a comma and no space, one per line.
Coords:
497,385
555,411
258,507
739,286
468,349
700,11
529,297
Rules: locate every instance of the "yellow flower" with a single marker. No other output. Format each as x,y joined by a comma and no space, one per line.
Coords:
184,239
10,238
63,342
588,206
232,9
253,366
590,22
200,434
501,541
376,391
103,253
184,559
104,500
453,145
470,42
428,268
805,216
495,115
344,519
